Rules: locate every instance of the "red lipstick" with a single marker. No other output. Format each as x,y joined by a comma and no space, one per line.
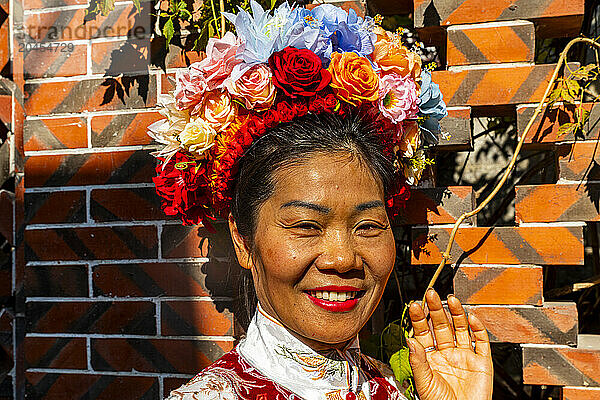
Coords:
334,306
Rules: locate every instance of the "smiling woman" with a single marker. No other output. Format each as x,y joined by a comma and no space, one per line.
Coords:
303,133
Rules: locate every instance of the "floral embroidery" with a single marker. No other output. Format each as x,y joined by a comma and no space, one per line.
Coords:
317,365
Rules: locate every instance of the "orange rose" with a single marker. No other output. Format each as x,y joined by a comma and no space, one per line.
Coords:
410,139
353,78
219,110
392,56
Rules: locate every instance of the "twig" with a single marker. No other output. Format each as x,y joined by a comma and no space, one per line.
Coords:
539,108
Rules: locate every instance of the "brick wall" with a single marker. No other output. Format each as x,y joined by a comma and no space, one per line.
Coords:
104,298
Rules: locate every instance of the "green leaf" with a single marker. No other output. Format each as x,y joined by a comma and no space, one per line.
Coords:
183,13
585,114
168,30
585,72
137,5
566,129
106,6
273,3
570,90
400,365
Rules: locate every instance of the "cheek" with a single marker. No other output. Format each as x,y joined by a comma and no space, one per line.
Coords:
382,256
284,260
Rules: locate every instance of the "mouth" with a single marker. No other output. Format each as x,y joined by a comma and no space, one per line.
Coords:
335,298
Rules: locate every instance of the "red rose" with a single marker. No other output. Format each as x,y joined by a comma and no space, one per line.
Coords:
270,118
298,72
330,102
316,105
285,111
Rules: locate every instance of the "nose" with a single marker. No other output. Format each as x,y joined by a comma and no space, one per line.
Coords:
338,253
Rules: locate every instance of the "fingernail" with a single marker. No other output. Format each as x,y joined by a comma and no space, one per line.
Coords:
450,295
430,290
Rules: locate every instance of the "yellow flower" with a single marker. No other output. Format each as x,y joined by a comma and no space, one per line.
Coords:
197,137
353,78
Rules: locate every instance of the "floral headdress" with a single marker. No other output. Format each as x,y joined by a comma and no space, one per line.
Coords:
279,67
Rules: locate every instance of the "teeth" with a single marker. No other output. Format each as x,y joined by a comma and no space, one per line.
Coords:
333,296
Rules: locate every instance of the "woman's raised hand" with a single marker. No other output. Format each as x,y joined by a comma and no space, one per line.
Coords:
452,361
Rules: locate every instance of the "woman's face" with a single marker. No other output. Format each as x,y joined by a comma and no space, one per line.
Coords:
324,248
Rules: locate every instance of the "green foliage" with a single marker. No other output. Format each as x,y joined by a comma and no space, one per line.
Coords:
571,91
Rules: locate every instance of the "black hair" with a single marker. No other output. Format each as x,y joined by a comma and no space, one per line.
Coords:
354,134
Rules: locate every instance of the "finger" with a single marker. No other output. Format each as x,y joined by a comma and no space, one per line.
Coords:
420,325
444,338
422,372
482,342
461,326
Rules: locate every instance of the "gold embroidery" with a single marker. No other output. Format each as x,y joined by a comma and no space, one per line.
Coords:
335,395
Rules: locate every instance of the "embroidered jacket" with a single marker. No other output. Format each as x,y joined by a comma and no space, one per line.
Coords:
272,364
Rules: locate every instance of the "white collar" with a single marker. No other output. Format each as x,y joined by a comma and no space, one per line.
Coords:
281,357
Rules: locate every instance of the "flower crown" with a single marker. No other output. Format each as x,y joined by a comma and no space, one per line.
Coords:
279,67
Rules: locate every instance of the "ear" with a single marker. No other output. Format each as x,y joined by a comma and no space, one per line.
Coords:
241,249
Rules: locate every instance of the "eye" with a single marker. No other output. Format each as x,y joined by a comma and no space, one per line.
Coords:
370,228
306,227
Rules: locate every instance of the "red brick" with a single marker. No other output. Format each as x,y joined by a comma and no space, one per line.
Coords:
55,207
579,161
74,96
122,129
33,4
49,352
580,393
167,82
129,56
56,281
163,279
181,58
486,43
6,108
180,241
553,323
196,318
448,12
140,204
457,124
501,245
546,125
5,37
170,384
496,85
550,203
496,284
108,317
156,355
98,243
442,205
563,366
90,169
46,386
68,24
59,59
55,133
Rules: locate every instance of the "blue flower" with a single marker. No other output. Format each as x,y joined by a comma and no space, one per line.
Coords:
431,107
261,32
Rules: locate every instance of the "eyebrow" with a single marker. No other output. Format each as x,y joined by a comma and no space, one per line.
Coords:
368,205
305,204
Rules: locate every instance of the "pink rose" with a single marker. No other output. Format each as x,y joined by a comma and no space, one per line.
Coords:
254,87
208,74
218,110
398,97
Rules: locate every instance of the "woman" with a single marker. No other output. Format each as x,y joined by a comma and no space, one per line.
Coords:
315,144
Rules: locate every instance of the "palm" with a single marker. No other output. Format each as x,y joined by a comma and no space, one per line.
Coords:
451,369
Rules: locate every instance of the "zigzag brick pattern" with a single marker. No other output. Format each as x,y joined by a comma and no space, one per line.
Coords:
55,133
553,323
549,203
501,245
579,161
486,43
562,365
122,129
457,125
54,386
442,205
499,284
452,12
156,355
56,281
49,352
497,85
545,128
580,393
